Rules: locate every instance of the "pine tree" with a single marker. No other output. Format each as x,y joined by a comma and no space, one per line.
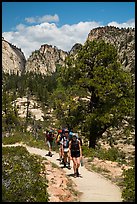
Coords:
98,77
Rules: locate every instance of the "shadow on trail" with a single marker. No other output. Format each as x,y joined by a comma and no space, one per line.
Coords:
72,175
49,155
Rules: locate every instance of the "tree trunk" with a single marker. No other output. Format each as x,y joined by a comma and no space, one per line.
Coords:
92,140
95,135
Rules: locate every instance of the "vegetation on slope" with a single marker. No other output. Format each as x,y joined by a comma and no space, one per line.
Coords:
22,179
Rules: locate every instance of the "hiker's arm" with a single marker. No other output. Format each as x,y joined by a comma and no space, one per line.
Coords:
62,150
80,149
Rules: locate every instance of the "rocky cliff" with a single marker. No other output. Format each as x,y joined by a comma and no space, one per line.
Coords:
123,39
45,59
13,59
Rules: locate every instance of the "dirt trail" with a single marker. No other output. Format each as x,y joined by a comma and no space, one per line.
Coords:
93,186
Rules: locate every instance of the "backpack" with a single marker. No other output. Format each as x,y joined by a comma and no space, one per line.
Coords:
65,142
58,138
75,145
50,137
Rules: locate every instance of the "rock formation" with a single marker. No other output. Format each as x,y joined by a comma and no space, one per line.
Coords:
123,39
13,59
45,59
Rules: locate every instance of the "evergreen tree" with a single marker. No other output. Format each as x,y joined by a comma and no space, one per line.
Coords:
105,89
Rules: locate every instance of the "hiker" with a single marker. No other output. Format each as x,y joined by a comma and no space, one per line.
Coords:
49,141
65,148
75,152
58,140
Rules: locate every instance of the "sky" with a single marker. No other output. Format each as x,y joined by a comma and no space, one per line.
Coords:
28,25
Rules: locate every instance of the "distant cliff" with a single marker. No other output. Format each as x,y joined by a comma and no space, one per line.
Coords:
48,57
13,59
123,39
45,59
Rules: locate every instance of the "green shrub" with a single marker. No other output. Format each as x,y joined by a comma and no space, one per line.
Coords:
17,137
21,179
111,154
128,193
88,152
25,137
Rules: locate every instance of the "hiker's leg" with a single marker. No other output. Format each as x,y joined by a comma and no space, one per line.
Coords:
78,161
48,143
60,156
50,147
74,164
64,157
68,158
77,165
61,152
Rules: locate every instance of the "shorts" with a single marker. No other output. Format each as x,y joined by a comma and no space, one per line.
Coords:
66,149
75,154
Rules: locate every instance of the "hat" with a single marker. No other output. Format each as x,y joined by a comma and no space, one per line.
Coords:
75,135
70,133
59,131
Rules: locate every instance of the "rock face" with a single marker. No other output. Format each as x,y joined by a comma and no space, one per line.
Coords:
123,39
75,49
45,59
13,59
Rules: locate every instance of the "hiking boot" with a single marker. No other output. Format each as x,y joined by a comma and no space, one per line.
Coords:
77,173
60,162
69,167
50,154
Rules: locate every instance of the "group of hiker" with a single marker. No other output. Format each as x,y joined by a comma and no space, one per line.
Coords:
69,146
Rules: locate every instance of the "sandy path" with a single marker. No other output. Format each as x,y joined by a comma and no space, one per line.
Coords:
94,187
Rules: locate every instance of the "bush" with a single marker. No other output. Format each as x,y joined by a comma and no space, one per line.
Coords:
128,192
17,137
21,179
88,152
111,154
24,137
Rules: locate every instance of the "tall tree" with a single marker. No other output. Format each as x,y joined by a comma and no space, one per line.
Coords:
102,85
